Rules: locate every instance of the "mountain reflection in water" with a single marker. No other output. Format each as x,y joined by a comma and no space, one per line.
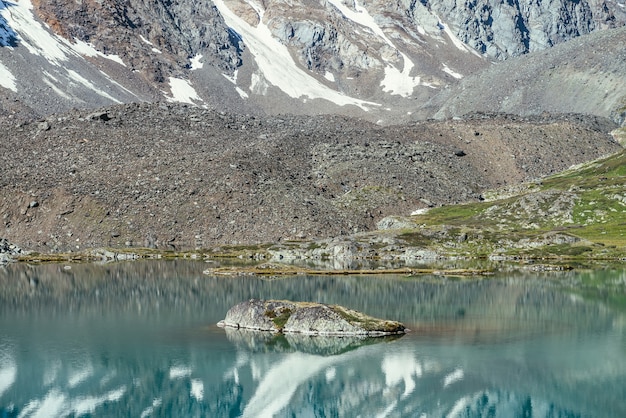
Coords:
139,339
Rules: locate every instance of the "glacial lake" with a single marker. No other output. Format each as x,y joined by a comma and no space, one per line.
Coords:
139,340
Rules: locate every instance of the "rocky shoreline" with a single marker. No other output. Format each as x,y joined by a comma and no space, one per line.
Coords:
9,251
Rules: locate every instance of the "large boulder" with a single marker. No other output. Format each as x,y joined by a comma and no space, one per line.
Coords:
281,316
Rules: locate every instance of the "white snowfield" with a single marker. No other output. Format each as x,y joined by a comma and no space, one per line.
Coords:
277,66
183,91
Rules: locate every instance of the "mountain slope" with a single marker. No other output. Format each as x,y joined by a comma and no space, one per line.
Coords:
376,60
585,75
164,174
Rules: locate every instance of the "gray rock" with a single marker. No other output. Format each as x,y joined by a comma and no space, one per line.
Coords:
394,222
103,116
507,29
309,318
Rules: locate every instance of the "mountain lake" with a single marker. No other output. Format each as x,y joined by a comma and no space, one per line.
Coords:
139,339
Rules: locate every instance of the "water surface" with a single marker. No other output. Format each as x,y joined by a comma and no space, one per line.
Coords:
139,339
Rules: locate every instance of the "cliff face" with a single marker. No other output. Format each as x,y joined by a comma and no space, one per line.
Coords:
503,29
157,38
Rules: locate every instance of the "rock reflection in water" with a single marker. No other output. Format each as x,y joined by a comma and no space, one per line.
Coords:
259,341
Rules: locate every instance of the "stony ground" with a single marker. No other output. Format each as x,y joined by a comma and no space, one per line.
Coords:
175,176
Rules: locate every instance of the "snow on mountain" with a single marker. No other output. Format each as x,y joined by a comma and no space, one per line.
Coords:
396,81
275,63
378,60
7,79
183,91
47,71
293,56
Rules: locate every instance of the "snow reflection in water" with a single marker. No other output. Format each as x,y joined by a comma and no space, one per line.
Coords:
146,346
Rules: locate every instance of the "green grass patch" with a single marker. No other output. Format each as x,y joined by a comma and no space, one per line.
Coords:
606,172
452,215
281,319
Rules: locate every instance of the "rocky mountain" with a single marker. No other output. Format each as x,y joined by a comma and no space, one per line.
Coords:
503,29
376,60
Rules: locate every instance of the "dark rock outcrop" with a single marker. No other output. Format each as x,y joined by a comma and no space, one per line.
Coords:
280,316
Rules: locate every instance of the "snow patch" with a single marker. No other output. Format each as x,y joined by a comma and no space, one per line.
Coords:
89,50
82,80
361,16
33,35
258,85
117,84
183,91
233,80
7,80
47,80
195,62
420,211
329,76
453,73
39,41
396,81
400,82
154,49
455,41
277,65
145,40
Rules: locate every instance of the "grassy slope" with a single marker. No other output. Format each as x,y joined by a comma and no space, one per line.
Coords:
578,213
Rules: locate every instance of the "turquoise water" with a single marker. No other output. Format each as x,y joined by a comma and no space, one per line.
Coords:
139,340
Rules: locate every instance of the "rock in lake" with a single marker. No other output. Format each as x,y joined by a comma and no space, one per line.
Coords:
306,318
